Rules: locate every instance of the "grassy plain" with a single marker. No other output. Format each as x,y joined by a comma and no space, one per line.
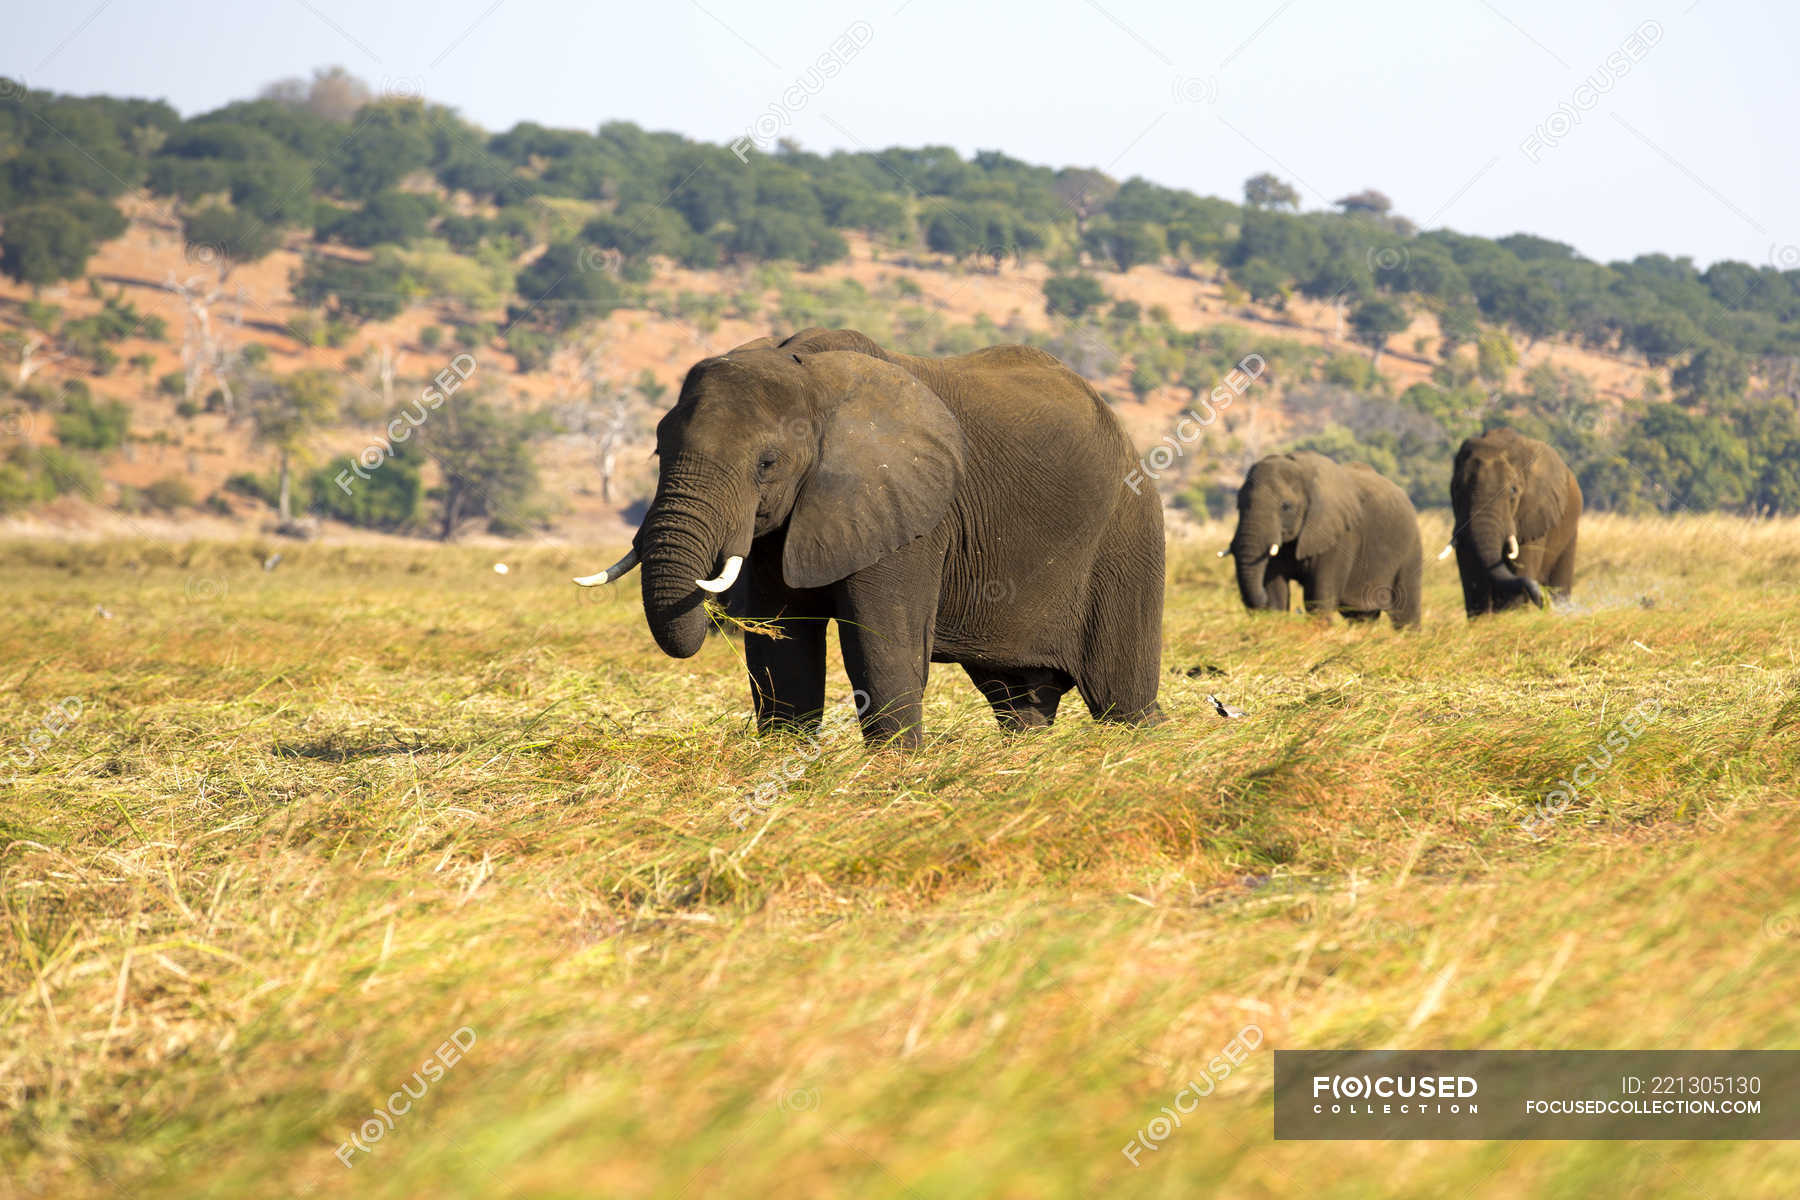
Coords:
304,824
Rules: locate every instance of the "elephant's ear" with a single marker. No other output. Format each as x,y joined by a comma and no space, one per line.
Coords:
1332,505
890,461
1543,490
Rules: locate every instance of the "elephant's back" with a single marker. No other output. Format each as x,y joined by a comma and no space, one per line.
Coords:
1021,400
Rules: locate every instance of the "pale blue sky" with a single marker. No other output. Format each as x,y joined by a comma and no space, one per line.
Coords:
1689,152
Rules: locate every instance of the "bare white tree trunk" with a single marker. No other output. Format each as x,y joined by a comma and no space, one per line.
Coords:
202,352
29,362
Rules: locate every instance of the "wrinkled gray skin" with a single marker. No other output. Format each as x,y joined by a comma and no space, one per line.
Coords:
969,510
1504,486
1347,536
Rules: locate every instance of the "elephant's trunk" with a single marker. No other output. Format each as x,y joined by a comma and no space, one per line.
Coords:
1250,546
688,532
1493,542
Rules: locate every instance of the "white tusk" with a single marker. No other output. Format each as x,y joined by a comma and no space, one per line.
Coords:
727,577
1274,549
616,571
1224,552
1512,546
1445,552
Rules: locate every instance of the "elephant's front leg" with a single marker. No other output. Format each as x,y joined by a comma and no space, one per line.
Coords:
1275,592
787,672
884,625
1325,588
787,675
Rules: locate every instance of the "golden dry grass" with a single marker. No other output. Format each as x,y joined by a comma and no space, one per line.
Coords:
310,822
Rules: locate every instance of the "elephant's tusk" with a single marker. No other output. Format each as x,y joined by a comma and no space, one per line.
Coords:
1445,552
1224,552
1512,545
1274,549
616,571
727,577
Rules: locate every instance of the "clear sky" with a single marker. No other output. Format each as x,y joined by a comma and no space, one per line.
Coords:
1680,143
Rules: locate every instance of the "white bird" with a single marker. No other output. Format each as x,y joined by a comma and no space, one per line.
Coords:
1223,709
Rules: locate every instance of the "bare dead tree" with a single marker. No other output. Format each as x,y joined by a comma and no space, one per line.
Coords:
203,352
31,356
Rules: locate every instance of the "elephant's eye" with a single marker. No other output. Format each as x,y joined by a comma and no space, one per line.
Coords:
765,462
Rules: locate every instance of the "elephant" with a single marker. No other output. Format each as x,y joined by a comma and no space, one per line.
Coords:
1349,537
1517,507
970,509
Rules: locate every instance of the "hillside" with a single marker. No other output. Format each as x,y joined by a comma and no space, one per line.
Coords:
336,251
208,447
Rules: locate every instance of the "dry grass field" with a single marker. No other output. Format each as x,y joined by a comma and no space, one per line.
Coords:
272,839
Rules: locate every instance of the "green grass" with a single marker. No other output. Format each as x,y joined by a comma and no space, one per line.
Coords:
311,821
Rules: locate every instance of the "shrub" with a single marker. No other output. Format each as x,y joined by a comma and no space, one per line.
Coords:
169,493
1072,295
84,425
388,499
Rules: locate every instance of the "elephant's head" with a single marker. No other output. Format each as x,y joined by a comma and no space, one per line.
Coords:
847,455
1498,505
1297,503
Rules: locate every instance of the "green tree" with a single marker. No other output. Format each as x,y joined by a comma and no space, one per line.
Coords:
1713,375
1375,320
389,499
484,462
566,286
1072,295
43,245
1495,356
228,237
284,413
373,291
84,425
1268,192
1366,201
1125,243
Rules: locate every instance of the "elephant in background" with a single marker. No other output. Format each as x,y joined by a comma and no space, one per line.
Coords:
1347,536
970,509
1517,509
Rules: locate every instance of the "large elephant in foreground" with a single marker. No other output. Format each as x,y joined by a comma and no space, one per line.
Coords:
1347,536
969,510
1517,508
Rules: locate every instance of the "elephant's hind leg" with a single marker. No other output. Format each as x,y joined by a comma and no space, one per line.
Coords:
1024,698
1121,663
1407,609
